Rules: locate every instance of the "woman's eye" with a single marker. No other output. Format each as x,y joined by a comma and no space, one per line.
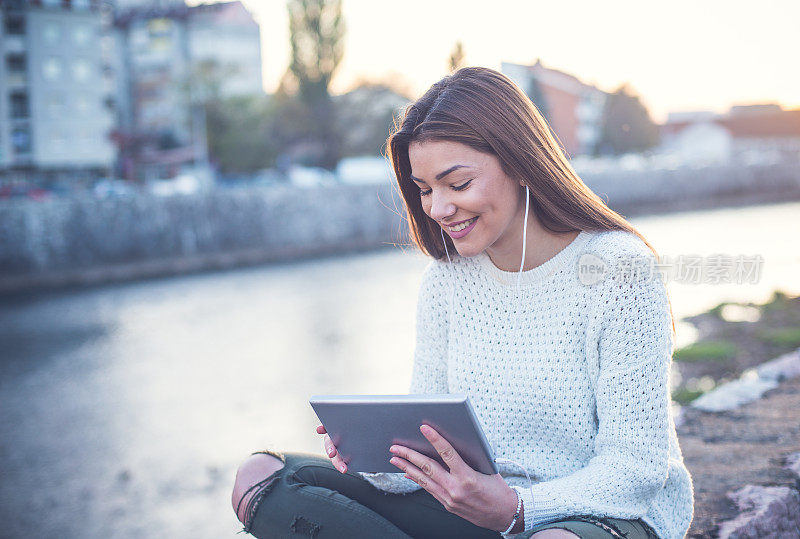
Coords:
426,192
462,186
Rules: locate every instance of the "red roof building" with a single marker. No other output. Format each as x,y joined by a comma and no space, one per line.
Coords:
751,128
573,108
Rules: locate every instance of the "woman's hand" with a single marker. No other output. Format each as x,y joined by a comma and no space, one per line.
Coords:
485,500
330,450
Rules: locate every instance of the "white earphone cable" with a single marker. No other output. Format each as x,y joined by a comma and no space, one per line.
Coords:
452,282
524,235
530,481
518,312
517,299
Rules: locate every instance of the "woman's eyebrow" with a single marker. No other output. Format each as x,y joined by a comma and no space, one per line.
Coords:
442,174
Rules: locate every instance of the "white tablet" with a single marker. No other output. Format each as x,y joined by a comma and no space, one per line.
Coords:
363,427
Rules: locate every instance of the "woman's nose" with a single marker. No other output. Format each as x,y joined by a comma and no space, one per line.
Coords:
441,206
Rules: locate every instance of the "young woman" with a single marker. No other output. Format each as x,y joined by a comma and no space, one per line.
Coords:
541,304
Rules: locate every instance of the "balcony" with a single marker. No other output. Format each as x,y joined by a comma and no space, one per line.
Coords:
16,80
14,43
19,106
16,69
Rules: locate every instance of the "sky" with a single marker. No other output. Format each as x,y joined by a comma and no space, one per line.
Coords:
677,55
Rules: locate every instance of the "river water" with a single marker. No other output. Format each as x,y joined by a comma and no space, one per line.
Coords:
125,409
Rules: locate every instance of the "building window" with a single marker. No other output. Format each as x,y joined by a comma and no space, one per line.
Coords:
51,68
21,140
19,105
15,25
159,27
81,70
81,35
15,63
51,33
54,104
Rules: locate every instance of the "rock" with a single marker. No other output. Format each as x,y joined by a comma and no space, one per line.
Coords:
765,512
751,384
733,394
793,465
782,368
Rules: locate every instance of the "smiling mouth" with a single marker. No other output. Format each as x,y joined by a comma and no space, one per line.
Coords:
461,226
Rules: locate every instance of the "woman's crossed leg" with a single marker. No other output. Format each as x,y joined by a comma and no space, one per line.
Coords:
281,494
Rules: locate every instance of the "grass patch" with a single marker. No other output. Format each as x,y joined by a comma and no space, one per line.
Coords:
780,301
706,350
684,396
781,336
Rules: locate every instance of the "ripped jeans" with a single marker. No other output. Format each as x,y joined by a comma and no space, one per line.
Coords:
308,497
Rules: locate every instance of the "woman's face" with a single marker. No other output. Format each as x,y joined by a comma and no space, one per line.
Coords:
469,195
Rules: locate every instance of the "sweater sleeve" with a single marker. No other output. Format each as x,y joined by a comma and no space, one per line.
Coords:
633,340
429,373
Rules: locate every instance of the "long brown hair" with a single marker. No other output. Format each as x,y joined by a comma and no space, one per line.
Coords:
485,110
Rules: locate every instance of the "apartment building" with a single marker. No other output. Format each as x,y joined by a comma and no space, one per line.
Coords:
56,111
170,54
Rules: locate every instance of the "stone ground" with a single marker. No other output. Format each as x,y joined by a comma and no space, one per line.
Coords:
748,445
725,451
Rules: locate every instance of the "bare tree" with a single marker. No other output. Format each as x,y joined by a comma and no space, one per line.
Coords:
457,57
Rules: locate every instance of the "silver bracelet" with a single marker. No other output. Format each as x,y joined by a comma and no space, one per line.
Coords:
516,515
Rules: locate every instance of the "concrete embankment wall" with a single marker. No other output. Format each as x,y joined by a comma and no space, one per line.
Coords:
639,192
85,240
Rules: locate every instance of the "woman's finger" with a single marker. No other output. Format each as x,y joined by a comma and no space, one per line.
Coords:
422,469
321,430
330,449
423,479
333,454
338,463
448,453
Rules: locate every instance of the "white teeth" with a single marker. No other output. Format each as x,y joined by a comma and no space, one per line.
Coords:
463,225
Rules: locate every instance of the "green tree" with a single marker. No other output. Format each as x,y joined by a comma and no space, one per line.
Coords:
317,43
365,116
626,125
457,57
240,133
293,128
236,127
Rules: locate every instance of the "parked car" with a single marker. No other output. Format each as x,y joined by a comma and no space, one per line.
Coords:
310,176
365,170
269,177
111,188
183,184
24,190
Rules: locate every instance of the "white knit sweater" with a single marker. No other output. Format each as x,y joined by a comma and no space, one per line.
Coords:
575,387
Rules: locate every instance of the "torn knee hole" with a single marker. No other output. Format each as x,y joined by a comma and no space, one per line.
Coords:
301,525
261,489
